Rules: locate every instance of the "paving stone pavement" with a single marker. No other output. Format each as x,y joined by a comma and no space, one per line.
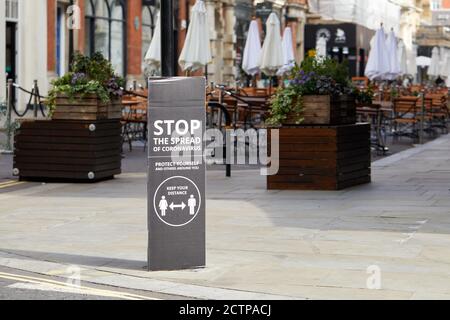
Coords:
261,244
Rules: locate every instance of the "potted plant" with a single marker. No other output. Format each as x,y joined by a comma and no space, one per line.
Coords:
364,96
319,93
320,145
90,91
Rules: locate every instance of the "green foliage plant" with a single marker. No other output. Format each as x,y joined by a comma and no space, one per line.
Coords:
88,76
315,76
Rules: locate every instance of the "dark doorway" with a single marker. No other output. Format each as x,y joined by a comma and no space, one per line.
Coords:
11,67
362,62
11,52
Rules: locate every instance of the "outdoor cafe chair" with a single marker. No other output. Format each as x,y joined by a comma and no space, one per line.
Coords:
134,120
406,116
439,111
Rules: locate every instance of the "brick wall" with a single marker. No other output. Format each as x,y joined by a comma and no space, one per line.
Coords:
51,38
134,38
79,34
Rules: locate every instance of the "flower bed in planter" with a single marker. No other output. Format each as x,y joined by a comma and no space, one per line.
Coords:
91,91
319,93
83,140
321,146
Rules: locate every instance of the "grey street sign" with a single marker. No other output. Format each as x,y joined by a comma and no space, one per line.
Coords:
176,174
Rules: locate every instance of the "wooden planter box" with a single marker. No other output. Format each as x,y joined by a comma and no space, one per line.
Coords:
326,110
323,158
88,107
86,151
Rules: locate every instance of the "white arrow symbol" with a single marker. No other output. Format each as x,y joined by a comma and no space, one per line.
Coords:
182,206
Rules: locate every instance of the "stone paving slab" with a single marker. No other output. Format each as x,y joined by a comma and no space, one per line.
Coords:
261,244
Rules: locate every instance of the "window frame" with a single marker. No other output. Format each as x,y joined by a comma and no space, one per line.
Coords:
153,18
92,21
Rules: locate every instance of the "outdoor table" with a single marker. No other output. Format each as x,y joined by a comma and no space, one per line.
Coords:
376,111
248,103
131,117
252,104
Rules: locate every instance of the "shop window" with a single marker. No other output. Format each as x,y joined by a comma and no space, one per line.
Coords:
149,20
105,31
12,9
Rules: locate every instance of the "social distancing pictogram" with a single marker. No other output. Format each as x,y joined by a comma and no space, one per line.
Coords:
177,201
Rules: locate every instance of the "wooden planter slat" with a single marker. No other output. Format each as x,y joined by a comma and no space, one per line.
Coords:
70,125
67,147
46,151
47,154
80,109
68,167
342,162
66,160
68,140
86,108
41,175
326,110
66,102
69,133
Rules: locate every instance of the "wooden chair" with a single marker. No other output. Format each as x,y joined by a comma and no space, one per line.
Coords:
439,110
406,114
254,92
134,120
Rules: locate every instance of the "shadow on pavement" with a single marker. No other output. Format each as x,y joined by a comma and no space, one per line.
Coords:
73,259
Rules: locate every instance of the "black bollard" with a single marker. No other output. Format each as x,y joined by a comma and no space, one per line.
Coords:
167,39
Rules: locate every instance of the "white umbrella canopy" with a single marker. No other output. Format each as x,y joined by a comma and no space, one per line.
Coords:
153,56
433,69
412,61
394,66
446,69
445,63
272,52
402,58
196,52
288,52
252,51
378,65
445,66
321,47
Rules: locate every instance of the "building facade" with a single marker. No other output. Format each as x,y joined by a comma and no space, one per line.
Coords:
23,35
40,36
349,25
434,30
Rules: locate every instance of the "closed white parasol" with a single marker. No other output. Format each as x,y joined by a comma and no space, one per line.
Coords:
153,56
392,55
402,58
434,68
272,53
252,51
378,65
288,52
196,52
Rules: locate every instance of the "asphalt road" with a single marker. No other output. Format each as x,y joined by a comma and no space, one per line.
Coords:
19,285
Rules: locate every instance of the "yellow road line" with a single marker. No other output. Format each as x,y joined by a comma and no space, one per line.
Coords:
10,184
86,290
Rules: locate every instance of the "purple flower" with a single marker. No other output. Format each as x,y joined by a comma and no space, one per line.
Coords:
77,77
114,87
